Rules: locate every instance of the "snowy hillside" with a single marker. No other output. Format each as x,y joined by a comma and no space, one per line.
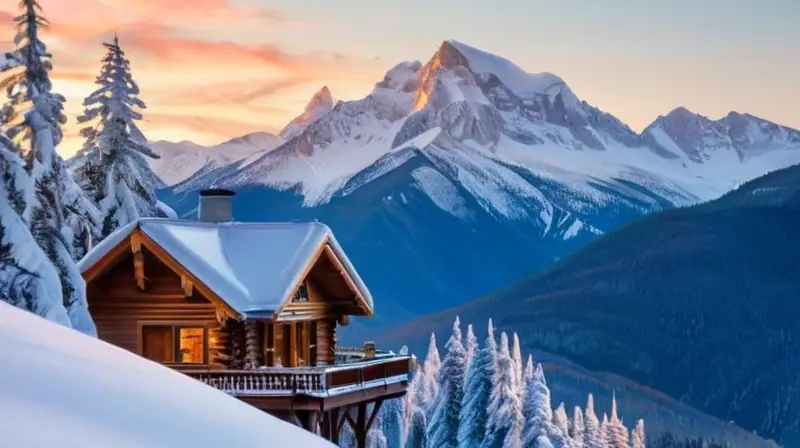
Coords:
61,388
180,161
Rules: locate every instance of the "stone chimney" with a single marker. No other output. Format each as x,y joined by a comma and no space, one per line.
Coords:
369,350
215,205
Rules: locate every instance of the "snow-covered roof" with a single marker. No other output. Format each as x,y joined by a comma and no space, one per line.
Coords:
253,267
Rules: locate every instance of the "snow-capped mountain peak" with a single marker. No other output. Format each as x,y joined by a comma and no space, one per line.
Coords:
321,100
494,131
523,84
683,132
319,106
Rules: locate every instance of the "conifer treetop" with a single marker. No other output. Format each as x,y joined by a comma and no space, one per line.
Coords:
26,83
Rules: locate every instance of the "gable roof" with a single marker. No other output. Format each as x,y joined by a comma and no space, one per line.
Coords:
253,267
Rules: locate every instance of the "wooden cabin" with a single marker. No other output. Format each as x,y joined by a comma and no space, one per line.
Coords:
251,309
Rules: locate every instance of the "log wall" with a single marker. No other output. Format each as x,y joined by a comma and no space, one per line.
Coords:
119,307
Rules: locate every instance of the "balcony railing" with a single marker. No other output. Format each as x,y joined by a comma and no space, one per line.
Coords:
321,381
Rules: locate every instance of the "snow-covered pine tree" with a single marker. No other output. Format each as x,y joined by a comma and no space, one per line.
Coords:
602,433
62,220
28,279
516,355
577,429
429,382
375,435
470,345
112,157
391,418
444,422
410,401
591,424
638,439
506,422
618,436
537,410
477,389
417,430
561,424
347,438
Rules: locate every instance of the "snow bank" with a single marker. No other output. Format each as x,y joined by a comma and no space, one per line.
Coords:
61,388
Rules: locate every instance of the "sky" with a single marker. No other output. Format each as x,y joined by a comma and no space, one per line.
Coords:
211,70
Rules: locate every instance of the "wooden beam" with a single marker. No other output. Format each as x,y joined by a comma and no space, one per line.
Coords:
360,300
107,262
187,286
375,409
361,426
138,259
336,426
309,265
293,345
343,320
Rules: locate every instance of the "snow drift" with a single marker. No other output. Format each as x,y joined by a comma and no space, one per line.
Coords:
59,387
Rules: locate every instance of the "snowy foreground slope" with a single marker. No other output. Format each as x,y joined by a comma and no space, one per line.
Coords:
61,388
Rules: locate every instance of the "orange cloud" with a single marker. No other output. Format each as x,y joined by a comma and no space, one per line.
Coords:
213,129
239,92
201,72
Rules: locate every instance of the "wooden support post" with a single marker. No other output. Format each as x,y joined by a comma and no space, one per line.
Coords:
312,422
336,425
375,410
361,426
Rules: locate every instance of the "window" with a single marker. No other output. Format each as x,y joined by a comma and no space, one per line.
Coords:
302,294
174,344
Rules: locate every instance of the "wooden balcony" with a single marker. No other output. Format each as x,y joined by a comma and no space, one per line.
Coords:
317,382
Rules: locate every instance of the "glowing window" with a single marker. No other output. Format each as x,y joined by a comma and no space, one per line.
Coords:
174,344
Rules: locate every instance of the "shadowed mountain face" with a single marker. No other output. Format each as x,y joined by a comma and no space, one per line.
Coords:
699,302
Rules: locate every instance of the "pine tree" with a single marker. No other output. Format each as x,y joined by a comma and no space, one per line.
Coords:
61,218
375,435
506,422
112,159
578,431
429,382
347,438
417,430
561,425
391,418
516,355
638,436
27,278
602,434
617,432
470,345
537,410
477,388
410,401
444,423
592,425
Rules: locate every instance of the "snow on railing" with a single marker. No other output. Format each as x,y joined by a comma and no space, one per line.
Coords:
314,381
